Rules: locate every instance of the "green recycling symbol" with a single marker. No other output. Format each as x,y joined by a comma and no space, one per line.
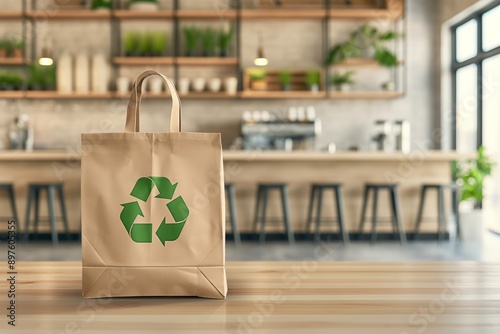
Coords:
143,232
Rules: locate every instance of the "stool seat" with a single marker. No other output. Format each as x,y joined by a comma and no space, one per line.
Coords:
455,199
396,219
317,190
34,191
231,198
263,190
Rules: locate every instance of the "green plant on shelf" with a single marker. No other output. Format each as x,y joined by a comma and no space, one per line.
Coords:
225,37
14,47
285,78
131,43
257,74
367,40
145,47
470,174
139,1
209,42
101,4
312,79
11,81
41,77
159,41
4,47
342,81
191,40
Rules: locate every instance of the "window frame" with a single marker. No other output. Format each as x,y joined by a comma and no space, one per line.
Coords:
478,61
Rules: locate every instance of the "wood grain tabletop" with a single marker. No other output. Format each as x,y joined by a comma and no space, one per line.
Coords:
271,297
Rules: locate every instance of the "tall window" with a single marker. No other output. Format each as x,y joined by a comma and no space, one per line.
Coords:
476,75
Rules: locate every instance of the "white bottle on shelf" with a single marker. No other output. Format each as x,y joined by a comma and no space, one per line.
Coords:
82,71
100,74
65,74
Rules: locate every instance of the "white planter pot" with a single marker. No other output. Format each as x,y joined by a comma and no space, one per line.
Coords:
214,85
471,225
231,85
144,6
156,85
199,85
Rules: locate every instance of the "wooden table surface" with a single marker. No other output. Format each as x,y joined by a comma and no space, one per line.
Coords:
273,297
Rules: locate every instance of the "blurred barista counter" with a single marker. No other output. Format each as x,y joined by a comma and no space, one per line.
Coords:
247,168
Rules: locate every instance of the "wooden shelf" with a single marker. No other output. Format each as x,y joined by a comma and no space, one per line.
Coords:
10,15
33,94
360,62
61,14
11,94
256,14
208,14
252,94
139,61
208,95
124,14
13,61
164,95
205,61
365,95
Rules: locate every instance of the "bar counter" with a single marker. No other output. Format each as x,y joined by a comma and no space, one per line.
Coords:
246,168
273,297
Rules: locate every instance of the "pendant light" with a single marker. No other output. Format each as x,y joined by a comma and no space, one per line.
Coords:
261,60
46,58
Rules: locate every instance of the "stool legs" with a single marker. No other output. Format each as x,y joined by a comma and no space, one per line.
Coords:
397,216
441,215
264,199
63,210
310,209
420,212
232,214
13,208
455,193
374,216
341,217
257,210
31,196
52,215
363,210
286,215
318,216
37,208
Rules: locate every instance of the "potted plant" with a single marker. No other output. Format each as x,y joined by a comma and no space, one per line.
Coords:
16,48
144,47
191,40
470,175
285,78
312,80
342,81
14,81
143,5
159,42
368,41
258,79
131,43
3,48
209,38
104,5
225,37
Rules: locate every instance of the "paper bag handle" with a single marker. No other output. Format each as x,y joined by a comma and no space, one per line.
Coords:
132,122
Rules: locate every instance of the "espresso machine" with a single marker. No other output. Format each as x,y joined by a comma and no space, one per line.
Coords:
284,134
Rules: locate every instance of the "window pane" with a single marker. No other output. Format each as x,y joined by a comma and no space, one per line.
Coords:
467,108
467,41
491,35
491,124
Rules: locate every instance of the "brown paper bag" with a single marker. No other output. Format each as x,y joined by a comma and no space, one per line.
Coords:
152,210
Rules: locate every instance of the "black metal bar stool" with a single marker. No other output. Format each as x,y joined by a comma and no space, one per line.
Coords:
9,189
263,190
34,191
317,191
455,199
231,199
396,219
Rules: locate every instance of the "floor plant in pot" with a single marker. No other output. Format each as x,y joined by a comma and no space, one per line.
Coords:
470,174
342,81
